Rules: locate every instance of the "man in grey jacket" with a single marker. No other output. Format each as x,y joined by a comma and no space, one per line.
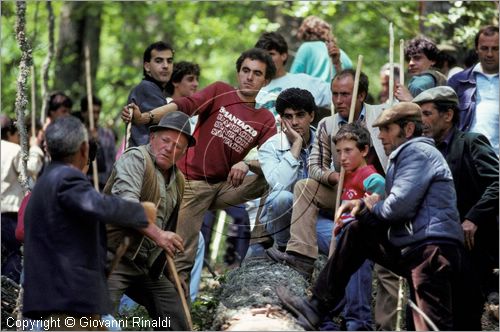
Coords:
415,231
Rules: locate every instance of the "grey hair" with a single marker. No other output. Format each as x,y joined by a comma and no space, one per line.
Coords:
64,137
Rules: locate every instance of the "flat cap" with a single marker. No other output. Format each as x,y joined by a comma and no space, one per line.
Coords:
439,93
177,121
402,111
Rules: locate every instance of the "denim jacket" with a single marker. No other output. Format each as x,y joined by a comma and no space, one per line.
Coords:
279,166
464,84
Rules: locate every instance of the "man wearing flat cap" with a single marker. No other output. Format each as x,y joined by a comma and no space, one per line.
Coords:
148,172
474,165
415,231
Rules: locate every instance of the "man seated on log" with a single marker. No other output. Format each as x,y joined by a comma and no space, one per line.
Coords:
415,231
474,165
65,247
229,126
148,172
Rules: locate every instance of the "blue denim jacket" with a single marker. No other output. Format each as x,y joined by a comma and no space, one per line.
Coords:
464,84
280,168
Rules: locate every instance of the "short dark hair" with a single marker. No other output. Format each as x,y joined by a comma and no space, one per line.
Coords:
443,107
489,30
296,99
354,132
58,99
158,46
84,103
418,126
363,79
180,70
8,126
272,41
260,55
422,45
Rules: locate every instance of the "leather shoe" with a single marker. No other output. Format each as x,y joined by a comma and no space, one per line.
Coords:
305,311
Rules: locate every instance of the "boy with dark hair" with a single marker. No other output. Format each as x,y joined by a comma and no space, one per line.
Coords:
352,143
184,80
422,55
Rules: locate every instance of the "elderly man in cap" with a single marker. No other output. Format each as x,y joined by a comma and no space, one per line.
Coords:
414,231
148,172
474,165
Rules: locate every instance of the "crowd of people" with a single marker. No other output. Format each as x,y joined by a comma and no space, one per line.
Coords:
419,195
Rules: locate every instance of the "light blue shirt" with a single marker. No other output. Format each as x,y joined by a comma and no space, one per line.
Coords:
486,119
281,169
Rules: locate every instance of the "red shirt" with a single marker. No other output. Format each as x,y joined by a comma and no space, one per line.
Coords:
227,130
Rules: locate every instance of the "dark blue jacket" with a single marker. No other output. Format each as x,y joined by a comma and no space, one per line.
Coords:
65,243
421,204
464,84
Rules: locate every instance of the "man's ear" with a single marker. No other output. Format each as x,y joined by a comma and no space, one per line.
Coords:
409,129
84,153
147,67
448,115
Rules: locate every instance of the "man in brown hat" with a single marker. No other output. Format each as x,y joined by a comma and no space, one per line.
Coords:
414,231
474,165
148,173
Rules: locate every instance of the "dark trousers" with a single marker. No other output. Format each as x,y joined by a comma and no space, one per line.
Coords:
434,272
11,248
159,297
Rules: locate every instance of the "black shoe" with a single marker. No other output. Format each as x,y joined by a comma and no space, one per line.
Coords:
305,311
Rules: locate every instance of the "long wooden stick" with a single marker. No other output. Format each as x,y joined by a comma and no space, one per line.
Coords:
128,128
90,110
173,270
33,101
340,185
402,62
391,64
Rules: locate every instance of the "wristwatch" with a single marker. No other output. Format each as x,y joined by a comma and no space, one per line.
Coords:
151,117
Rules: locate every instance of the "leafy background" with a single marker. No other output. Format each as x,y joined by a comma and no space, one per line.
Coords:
212,34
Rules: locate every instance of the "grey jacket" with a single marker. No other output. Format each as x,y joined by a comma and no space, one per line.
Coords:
421,199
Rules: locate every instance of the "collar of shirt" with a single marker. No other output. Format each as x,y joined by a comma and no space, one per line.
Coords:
151,79
445,144
478,68
361,117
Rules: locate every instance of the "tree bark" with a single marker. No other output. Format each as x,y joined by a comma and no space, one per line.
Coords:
22,88
80,24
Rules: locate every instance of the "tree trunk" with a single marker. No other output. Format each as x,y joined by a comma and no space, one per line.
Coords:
47,62
22,88
80,23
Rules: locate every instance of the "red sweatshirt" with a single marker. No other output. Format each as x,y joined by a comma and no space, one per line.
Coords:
227,130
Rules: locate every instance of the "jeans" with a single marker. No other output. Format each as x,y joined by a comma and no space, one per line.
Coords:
276,216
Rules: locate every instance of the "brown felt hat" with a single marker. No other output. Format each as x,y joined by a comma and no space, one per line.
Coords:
439,93
177,121
402,111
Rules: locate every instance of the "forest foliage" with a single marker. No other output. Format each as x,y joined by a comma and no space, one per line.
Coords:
212,34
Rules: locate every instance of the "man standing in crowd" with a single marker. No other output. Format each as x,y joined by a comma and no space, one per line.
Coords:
477,89
415,231
474,165
228,127
151,92
103,136
64,232
276,46
148,173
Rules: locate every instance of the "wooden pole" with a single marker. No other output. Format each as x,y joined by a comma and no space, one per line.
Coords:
90,110
33,101
391,64
340,185
402,62
173,270
128,128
